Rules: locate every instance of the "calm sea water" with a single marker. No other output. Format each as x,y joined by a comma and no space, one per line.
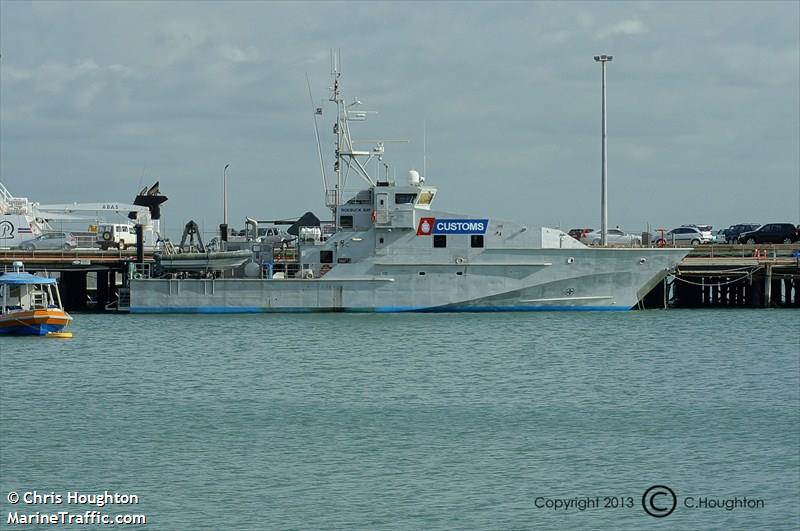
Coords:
409,421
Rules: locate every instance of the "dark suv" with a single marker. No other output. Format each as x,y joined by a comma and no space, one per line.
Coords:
732,233
771,233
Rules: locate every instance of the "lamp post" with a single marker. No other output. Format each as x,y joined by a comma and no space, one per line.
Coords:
225,195
603,59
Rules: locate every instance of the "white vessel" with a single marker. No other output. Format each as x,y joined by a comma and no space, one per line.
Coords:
390,251
19,219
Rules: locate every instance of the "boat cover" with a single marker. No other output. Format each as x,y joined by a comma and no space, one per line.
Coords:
24,278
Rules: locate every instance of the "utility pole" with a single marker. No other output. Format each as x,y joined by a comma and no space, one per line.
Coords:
603,59
225,195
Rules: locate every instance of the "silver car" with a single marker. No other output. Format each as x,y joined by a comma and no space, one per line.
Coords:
683,236
613,236
51,240
705,230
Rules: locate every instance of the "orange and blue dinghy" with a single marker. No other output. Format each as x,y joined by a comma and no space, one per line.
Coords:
30,305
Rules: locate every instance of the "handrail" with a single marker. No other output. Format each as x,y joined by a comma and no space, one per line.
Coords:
4,193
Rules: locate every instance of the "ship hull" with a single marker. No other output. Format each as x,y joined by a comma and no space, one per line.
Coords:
33,322
508,280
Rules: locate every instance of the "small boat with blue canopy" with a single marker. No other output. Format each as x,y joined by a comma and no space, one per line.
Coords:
29,304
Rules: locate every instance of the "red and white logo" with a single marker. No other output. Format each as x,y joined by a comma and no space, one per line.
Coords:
425,226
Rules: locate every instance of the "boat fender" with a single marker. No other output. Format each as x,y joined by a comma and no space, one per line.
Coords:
106,236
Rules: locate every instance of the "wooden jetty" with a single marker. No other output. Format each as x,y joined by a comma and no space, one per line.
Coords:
732,276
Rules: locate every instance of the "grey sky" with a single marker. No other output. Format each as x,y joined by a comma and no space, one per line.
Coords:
703,102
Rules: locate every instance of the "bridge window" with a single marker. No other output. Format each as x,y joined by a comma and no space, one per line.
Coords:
326,257
346,222
439,240
476,240
404,199
425,198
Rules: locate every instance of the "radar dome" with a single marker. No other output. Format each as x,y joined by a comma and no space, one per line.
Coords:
413,177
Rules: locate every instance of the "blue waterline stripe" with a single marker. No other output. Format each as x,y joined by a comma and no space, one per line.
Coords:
31,330
380,309
529,309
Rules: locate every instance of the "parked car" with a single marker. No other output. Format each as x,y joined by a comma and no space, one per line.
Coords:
683,236
771,233
705,230
613,236
51,240
734,231
579,233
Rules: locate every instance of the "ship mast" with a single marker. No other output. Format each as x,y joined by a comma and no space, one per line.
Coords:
336,97
345,153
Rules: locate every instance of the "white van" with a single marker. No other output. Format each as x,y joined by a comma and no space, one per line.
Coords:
119,236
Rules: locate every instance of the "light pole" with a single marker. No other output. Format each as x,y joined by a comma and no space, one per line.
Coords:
603,59
225,196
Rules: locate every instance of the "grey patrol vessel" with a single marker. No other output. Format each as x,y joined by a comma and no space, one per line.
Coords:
389,250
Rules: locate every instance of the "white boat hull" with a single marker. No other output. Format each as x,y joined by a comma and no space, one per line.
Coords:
546,279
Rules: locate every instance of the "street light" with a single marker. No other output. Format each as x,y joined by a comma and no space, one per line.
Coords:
603,59
225,196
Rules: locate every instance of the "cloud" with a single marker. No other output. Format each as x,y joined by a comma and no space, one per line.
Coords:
626,27
185,88
238,55
55,77
178,40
